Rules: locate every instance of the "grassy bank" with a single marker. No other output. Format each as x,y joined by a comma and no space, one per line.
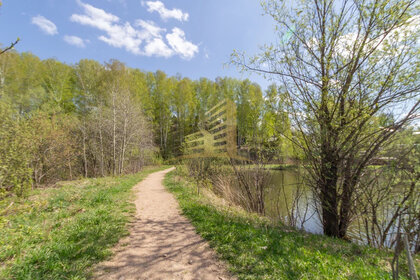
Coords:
59,233
255,249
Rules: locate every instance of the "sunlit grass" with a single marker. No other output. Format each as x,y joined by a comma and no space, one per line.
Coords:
255,249
59,233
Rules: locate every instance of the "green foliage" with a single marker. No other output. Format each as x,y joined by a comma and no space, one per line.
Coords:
59,233
345,65
53,148
254,249
92,119
276,133
15,173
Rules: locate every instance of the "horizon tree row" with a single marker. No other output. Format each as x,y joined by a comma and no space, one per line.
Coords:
63,121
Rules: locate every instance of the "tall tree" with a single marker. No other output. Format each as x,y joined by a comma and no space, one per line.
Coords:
59,84
275,127
249,100
160,89
22,81
343,63
88,84
183,107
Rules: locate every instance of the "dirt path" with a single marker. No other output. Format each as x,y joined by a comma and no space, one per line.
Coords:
162,243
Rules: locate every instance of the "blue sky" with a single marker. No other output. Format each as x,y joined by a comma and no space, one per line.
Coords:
192,37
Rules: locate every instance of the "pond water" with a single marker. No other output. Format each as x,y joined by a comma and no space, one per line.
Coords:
282,205
281,202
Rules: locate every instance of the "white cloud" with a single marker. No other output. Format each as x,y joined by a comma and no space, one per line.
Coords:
75,41
117,34
144,38
157,47
180,45
154,44
165,14
149,29
47,26
393,38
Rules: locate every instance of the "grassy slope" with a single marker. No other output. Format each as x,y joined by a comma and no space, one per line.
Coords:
256,250
59,233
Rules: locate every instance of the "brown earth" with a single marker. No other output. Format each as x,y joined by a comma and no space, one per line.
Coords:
162,243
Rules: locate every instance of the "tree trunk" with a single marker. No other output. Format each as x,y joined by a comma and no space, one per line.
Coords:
345,207
114,142
70,171
102,151
330,216
124,144
84,150
329,196
412,268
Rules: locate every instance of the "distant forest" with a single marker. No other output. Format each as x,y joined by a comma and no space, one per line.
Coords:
61,121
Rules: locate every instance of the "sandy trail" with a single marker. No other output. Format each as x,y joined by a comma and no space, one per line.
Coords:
162,244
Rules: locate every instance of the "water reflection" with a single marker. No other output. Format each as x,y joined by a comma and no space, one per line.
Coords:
281,204
289,201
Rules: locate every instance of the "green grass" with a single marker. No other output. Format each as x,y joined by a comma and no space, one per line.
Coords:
254,249
59,233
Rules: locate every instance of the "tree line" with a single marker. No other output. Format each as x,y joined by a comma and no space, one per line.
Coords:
61,121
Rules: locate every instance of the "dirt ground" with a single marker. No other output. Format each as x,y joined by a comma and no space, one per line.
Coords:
162,243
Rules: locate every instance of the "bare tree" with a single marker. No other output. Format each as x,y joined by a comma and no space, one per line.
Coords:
120,137
388,210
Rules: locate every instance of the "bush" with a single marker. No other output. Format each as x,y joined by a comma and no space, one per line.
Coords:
15,173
